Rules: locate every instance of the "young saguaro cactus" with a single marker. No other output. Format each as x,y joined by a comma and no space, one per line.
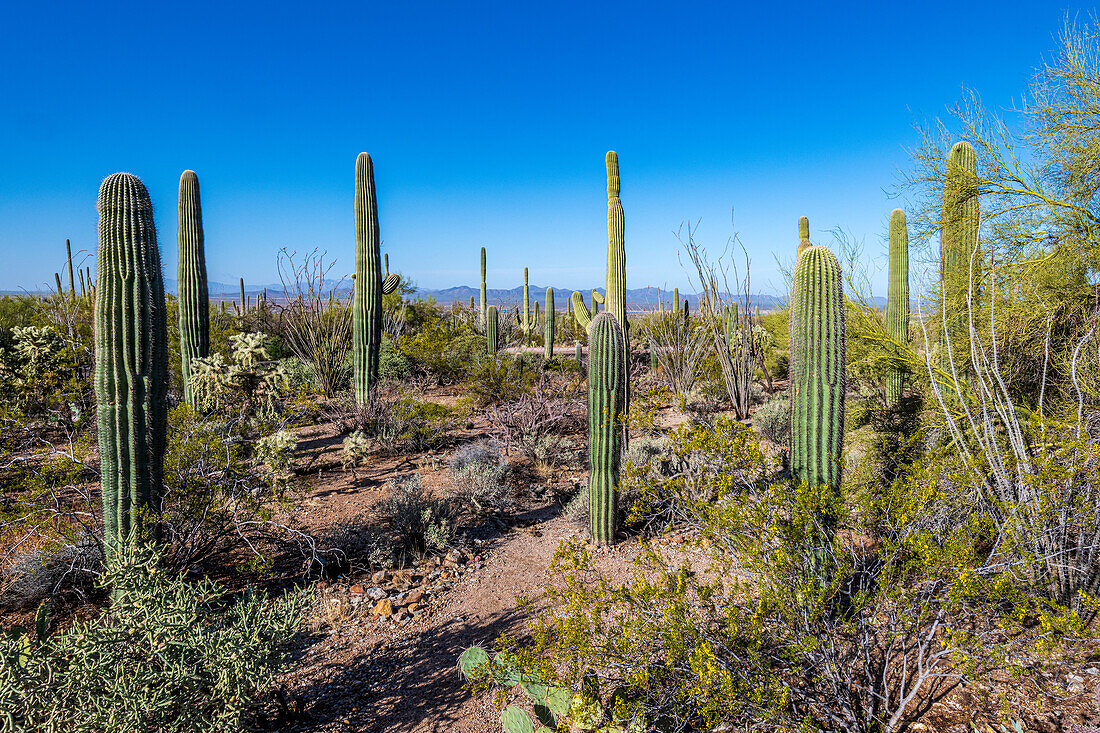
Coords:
897,304
958,246
676,301
69,257
366,307
525,323
194,296
492,330
548,326
817,369
606,404
131,358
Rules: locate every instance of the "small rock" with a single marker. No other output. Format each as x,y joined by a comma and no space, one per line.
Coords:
1093,671
415,597
383,608
357,590
376,594
379,577
412,607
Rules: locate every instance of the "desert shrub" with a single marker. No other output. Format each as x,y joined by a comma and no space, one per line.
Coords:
193,659
65,565
357,542
503,378
773,420
481,479
418,524
392,363
411,425
538,424
442,349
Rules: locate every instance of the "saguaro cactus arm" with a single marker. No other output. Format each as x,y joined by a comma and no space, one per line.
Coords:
580,310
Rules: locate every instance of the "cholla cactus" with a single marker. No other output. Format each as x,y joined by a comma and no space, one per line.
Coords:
355,451
276,450
249,377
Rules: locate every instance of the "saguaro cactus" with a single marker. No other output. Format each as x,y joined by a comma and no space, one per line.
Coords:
69,257
958,247
606,403
548,326
483,298
366,307
194,296
131,358
492,330
525,323
897,305
676,301
817,369
803,234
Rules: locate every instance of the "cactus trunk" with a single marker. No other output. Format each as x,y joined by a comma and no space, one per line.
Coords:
194,297
803,234
484,302
958,248
131,358
817,370
525,322
69,257
897,305
548,326
367,300
492,330
606,404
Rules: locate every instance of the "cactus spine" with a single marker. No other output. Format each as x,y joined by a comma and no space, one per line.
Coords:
194,297
484,301
897,305
492,330
958,243
69,257
131,358
366,306
606,404
548,326
817,369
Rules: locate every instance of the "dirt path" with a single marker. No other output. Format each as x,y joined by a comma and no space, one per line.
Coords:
368,676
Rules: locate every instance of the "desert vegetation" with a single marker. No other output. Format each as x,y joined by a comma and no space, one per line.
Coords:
344,506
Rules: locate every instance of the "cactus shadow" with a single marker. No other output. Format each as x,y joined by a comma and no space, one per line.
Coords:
402,683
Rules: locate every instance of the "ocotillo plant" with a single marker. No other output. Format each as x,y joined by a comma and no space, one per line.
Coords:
803,233
817,370
483,298
131,358
69,257
897,304
194,296
366,307
606,403
958,249
492,330
548,326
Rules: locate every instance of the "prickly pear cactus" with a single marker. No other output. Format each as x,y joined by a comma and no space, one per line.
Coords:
131,358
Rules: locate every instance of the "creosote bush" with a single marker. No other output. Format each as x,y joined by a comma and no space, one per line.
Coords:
168,655
419,524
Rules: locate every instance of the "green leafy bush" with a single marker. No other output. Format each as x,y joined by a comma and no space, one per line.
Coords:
492,380
168,655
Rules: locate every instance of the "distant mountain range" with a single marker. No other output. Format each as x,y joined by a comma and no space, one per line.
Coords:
636,300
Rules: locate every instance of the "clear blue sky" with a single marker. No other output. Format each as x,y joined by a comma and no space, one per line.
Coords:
487,122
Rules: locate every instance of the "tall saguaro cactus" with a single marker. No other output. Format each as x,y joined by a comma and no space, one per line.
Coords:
483,295
526,321
492,330
606,404
366,307
194,296
69,257
131,358
676,301
897,304
958,248
548,326
817,369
